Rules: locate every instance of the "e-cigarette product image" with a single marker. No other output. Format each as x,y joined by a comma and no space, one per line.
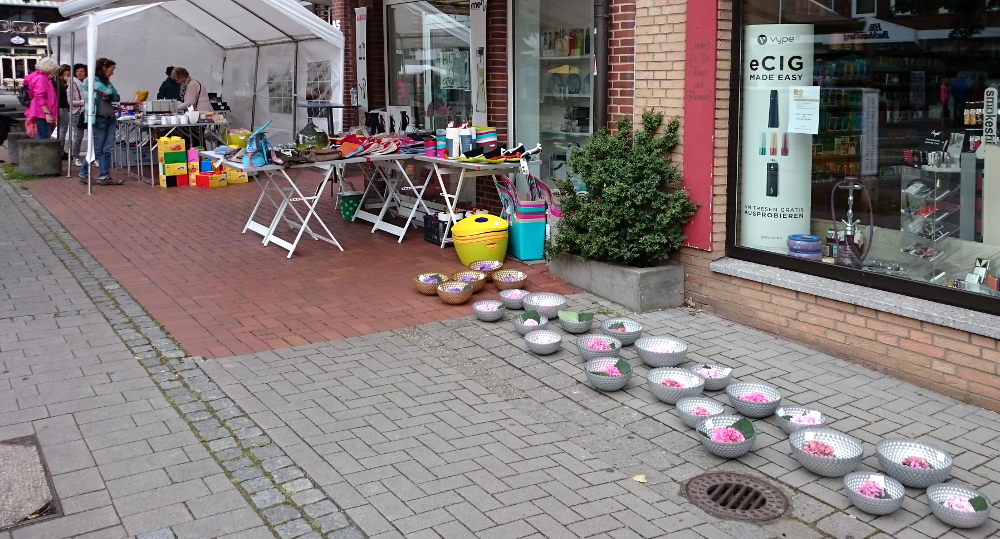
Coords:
784,144
774,144
772,179
763,143
772,111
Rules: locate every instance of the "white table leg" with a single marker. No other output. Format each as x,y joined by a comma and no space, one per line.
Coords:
418,193
451,202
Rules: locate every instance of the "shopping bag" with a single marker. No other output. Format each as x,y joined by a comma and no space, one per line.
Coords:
258,152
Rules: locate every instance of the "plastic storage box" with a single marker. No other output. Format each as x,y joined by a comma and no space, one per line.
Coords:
480,237
527,237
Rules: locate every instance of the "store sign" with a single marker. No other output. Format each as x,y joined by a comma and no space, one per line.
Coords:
361,56
18,40
776,190
700,66
38,41
990,116
803,109
477,14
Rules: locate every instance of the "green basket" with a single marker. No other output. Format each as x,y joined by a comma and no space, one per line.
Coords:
349,202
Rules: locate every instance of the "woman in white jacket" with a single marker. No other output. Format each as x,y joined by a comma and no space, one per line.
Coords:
193,93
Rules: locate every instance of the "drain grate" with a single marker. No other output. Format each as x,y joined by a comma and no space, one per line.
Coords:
27,495
736,496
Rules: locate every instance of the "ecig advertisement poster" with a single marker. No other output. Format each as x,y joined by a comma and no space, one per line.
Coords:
776,190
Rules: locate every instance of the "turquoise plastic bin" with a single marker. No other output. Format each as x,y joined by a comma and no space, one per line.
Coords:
527,239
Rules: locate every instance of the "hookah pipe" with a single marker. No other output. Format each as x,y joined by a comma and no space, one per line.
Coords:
847,252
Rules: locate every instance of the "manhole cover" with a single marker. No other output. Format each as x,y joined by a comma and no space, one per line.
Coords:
736,496
27,495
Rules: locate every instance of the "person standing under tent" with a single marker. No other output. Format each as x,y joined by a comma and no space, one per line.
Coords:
102,122
76,100
41,111
193,93
169,89
62,91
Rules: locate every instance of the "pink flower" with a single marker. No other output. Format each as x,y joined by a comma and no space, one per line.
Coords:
916,462
819,449
806,420
756,396
530,322
516,294
669,382
958,503
488,307
727,435
620,330
609,370
599,345
872,490
700,410
708,373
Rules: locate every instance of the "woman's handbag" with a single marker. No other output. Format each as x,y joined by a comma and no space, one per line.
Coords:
259,149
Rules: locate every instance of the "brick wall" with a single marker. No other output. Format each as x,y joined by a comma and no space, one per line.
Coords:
621,59
948,361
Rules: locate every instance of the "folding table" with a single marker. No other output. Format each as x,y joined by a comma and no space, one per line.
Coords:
467,170
392,196
271,179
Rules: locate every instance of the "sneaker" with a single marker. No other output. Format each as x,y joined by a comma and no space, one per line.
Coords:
108,180
82,179
78,163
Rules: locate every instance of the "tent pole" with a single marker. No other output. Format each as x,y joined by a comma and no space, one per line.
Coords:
253,106
72,130
295,91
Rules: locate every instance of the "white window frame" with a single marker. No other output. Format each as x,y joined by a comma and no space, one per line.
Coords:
854,9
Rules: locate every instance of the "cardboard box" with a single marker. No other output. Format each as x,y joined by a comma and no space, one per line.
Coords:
176,169
172,158
171,144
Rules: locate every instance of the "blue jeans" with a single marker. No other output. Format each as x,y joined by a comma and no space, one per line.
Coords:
104,144
44,129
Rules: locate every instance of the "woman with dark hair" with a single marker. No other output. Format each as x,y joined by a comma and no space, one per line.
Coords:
169,89
62,92
76,110
102,120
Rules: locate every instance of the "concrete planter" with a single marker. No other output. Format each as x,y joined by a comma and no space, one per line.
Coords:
639,289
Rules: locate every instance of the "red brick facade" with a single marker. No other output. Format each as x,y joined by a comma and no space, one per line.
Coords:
621,60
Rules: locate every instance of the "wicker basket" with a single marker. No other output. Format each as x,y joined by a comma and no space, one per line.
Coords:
753,409
587,354
693,384
847,451
477,285
645,348
543,323
789,427
608,383
714,384
518,279
428,289
546,303
890,454
511,302
552,342
454,298
725,450
874,506
628,337
575,327
487,315
937,494
685,405
491,265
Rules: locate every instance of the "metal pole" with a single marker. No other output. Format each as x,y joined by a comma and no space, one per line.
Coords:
253,107
295,92
72,128
600,87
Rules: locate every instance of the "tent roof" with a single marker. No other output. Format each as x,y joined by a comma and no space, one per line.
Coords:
229,23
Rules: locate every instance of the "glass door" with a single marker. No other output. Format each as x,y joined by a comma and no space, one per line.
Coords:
428,57
553,76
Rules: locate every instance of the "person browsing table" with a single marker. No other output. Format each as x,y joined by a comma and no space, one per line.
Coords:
102,121
193,93
43,108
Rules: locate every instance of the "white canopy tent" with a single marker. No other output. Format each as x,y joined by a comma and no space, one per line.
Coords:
261,56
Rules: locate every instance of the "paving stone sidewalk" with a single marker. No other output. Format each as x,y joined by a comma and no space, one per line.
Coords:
139,442
453,430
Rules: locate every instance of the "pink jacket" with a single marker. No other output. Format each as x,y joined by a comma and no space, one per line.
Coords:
42,93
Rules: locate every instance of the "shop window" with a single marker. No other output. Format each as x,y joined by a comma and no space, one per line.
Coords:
552,52
868,148
429,61
279,89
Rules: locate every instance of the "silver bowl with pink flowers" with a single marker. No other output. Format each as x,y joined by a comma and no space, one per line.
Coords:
692,410
959,505
874,493
608,373
513,298
625,330
753,399
670,384
543,342
661,351
826,452
912,463
792,418
591,346
717,377
489,310
727,448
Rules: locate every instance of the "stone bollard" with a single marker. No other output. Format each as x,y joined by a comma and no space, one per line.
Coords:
42,157
13,139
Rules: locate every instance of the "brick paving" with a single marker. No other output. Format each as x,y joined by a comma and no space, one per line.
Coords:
180,254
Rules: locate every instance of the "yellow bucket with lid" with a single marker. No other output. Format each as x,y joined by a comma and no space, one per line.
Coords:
480,237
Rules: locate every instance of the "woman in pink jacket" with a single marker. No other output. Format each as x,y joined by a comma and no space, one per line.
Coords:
41,112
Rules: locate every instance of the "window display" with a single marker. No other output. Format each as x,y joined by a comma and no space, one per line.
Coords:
869,143
553,66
